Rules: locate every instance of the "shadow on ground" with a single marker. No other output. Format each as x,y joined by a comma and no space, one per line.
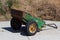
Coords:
22,31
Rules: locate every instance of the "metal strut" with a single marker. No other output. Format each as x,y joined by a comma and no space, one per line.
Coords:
52,25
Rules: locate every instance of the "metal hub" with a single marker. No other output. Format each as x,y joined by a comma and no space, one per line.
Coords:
32,28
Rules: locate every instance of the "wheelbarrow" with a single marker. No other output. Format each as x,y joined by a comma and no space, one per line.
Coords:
32,23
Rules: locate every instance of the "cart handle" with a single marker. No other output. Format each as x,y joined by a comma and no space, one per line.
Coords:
51,25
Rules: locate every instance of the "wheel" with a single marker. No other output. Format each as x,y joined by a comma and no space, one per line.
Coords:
31,28
15,24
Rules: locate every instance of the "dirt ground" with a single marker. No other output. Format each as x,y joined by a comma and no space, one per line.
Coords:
48,33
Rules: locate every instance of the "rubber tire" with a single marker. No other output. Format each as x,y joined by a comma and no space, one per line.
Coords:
27,28
15,25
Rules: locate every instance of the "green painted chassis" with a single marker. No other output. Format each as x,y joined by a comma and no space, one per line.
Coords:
27,18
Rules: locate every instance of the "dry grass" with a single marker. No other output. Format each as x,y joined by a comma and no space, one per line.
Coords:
5,18
44,9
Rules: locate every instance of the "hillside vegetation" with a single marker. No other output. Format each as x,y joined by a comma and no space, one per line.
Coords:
44,9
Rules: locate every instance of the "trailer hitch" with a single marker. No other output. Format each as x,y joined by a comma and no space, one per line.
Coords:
52,25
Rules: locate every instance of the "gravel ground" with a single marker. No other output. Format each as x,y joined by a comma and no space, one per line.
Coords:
48,33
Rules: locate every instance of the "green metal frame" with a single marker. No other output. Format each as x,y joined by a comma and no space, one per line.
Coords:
27,17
